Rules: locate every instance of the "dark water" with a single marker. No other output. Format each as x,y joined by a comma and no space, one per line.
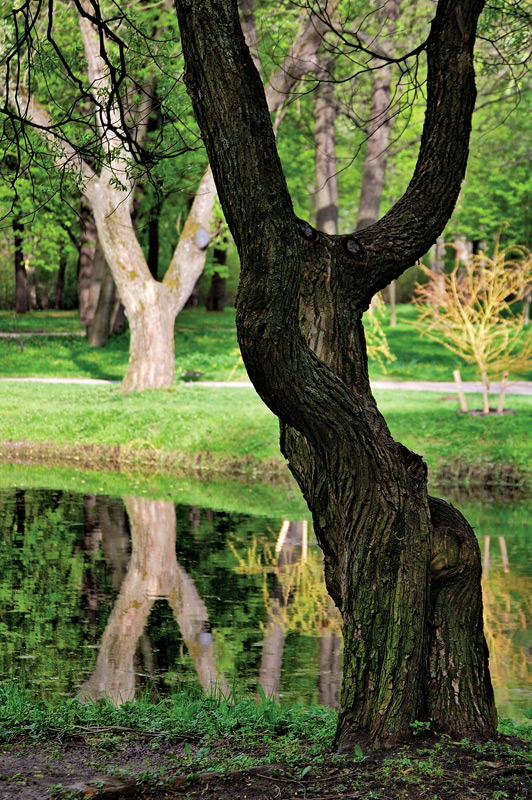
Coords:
110,597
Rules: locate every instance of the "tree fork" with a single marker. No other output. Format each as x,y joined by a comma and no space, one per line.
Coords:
299,311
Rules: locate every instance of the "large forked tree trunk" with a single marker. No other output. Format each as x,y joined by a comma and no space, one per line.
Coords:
402,568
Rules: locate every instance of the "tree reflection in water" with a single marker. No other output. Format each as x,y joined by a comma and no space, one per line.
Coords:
298,602
153,573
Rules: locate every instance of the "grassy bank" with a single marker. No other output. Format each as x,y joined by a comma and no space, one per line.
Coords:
193,747
232,494
206,430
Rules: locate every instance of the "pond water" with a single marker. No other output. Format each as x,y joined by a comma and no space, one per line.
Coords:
104,596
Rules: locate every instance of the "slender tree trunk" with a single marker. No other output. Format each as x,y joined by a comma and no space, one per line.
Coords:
119,319
60,284
216,296
21,279
378,129
31,287
153,243
87,250
326,197
379,125
437,257
299,318
100,327
249,29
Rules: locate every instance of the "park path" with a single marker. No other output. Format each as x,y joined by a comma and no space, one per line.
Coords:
470,387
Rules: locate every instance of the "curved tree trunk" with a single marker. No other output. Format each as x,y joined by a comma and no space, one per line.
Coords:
299,320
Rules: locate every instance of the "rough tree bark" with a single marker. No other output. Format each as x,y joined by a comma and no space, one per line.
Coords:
403,568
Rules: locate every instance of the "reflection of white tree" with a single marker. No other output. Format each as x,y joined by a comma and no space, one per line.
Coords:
153,573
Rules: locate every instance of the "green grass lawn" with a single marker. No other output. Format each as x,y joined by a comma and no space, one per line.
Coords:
205,343
47,321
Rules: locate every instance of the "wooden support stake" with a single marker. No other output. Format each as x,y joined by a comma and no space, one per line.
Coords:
485,395
486,558
504,554
502,394
460,389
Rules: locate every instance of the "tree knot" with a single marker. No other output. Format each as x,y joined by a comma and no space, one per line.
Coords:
353,248
306,230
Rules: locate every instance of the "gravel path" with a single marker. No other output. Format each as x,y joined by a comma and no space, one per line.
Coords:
470,387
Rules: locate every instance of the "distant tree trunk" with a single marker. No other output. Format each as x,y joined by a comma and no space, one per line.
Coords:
193,298
119,319
31,287
21,279
87,250
152,348
153,243
402,567
249,29
216,297
59,298
326,197
379,125
393,304
437,257
100,327
378,129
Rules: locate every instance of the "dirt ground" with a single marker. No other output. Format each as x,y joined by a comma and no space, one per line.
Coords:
130,764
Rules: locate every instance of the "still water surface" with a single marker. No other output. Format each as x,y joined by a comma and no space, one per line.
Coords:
102,596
